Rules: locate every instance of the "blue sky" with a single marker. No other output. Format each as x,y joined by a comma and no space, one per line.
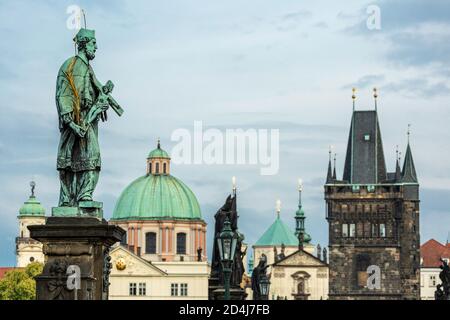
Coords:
286,65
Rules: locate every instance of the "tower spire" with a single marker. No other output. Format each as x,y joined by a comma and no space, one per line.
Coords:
329,173
409,170
334,167
159,143
398,173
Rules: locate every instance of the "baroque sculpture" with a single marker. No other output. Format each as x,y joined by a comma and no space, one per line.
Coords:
443,290
81,101
257,274
76,239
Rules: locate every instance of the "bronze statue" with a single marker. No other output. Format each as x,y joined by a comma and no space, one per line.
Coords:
228,210
257,273
443,290
81,101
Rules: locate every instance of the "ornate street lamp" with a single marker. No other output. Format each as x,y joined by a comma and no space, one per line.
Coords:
227,245
264,287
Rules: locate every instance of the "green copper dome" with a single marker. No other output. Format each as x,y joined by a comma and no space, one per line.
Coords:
158,153
31,207
155,197
277,234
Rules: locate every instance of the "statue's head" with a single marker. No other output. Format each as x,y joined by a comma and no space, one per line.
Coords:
86,42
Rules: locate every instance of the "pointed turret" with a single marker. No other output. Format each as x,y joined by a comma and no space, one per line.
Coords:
300,218
329,172
334,168
409,170
398,171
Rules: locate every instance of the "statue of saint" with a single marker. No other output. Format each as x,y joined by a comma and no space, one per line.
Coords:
81,101
257,273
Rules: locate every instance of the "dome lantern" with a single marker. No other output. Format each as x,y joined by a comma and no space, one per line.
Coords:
32,207
158,161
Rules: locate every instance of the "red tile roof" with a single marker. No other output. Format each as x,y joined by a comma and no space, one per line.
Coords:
3,270
431,252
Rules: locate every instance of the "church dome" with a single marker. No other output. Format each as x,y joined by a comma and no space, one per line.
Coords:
32,207
157,196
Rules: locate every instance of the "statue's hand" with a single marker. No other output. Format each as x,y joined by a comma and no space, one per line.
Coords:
79,131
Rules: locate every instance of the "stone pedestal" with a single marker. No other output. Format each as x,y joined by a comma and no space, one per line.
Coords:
84,209
216,291
76,249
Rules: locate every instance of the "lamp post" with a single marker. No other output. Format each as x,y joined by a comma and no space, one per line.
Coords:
227,245
264,286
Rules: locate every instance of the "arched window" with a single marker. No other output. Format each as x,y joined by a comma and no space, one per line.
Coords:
150,242
165,167
181,243
157,168
150,167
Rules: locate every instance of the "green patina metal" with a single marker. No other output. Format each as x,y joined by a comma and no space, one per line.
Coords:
156,197
278,233
158,153
81,102
32,208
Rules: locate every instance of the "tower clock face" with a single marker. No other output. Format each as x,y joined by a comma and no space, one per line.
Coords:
120,264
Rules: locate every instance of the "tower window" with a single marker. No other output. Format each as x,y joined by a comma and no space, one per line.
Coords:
367,137
165,168
123,241
352,230
382,230
181,243
150,167
157,168
344,230
374,230
150,242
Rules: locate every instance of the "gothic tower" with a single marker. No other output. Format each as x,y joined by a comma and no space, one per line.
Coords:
373,218
31,213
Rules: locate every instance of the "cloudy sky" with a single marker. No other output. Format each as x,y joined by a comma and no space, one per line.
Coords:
263,64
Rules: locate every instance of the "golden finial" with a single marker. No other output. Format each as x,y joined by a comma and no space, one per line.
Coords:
375,96
300,185
233,182
278,206
353,93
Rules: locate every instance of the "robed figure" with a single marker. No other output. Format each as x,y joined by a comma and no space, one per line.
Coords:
81,101
257,274
228,210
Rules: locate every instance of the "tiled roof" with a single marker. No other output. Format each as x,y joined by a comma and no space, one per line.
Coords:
431,251
3,270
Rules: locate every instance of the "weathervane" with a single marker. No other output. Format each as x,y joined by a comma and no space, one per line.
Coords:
32,185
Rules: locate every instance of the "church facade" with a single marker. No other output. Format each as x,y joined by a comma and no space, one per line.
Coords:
373,218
